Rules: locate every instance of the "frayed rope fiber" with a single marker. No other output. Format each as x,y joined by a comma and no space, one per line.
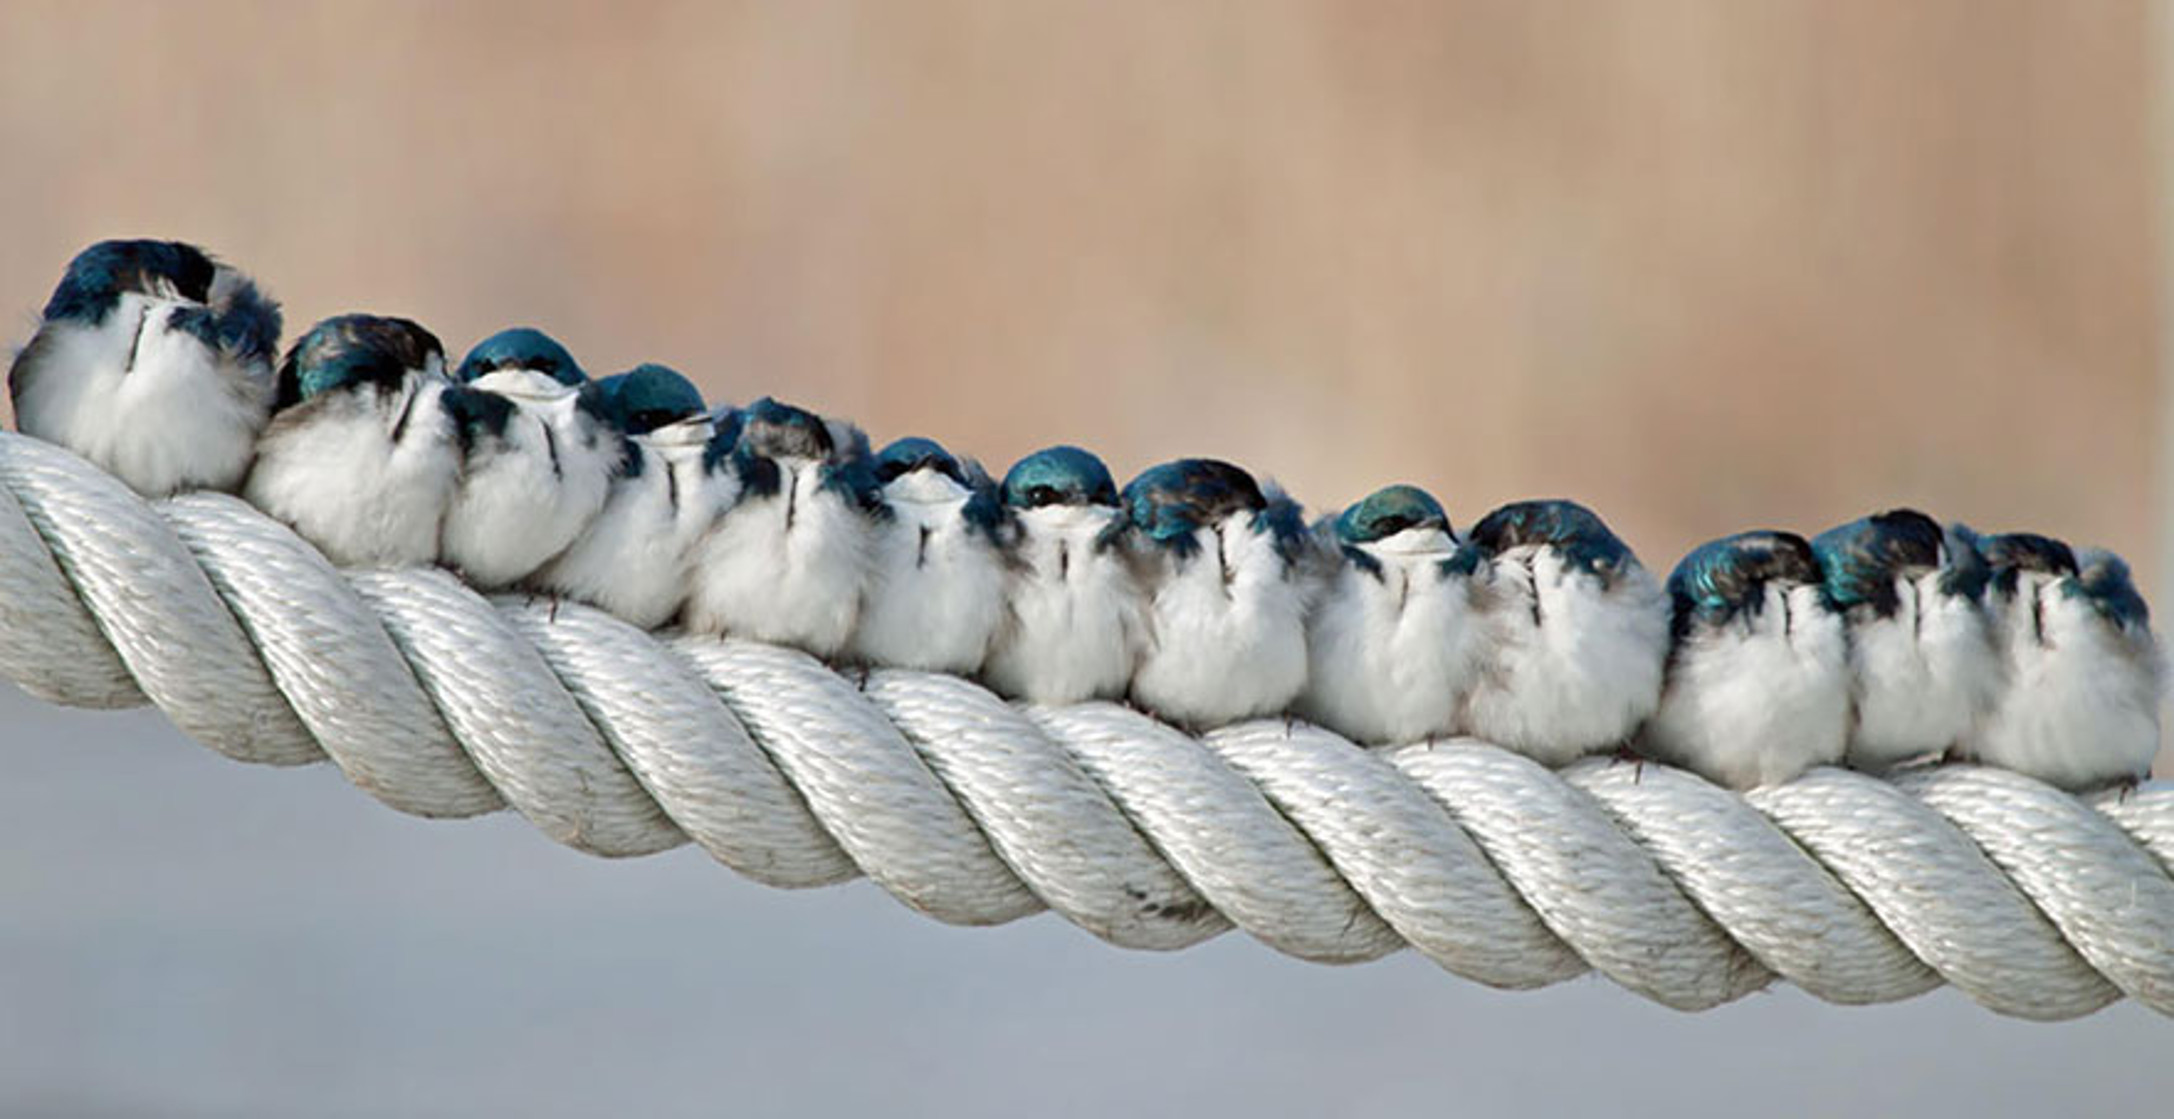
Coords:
442,702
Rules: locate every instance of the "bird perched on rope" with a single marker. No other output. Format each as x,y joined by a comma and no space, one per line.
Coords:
2079,707
1073,622
1757,686
1227,571
153,361
536,474
1922,665
936,585
1394,644
632,559
1577,634
789,561
365,443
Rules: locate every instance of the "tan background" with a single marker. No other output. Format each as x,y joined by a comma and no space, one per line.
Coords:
1703,266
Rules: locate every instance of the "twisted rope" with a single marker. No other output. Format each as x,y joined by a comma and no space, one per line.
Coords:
441,702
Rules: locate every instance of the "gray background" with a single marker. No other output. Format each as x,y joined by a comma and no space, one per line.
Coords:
184,935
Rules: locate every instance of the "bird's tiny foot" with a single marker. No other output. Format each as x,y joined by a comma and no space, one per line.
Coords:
1623,754
1290,724
553,616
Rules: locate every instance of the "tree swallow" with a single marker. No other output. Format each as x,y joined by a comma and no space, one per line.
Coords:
1225,567
789,561
1073,623
1922,664
1757,686
154,362
632,559
936,588
534,481
2080,704
365,443
1395,645
1578,634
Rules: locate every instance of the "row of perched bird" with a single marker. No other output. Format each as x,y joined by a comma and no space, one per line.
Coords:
1194,592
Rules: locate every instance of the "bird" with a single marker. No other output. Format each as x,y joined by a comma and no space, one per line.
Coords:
153,361
632,558
1226,572
1073,623
1922,663
365,443
936,586
530,485
2079,705
1576,634
789,561
1757,686
1394,644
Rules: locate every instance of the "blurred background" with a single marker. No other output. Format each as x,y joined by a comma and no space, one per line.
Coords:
1702,265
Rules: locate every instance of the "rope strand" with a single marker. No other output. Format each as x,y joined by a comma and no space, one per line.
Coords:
441,702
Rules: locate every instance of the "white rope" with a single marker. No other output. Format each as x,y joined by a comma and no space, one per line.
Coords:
441,702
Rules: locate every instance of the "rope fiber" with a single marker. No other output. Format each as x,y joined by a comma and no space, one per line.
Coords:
442,702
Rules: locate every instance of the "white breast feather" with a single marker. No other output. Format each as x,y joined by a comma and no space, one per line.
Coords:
186,417
756,578
1219,651
936,591
633,559
334,473
1748,704
1921,678
2080,705
1073,622
1586,676
1391,656
513,511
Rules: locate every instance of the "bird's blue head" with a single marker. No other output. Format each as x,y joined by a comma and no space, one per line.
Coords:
98,277
915,453
1388,511
1059,476
355,351
521,347
1168,503
2103,581
769,429
647,397
2011,554
1723,578
1584,541
1860,561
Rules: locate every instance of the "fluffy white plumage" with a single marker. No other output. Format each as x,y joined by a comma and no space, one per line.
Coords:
1922,677
936,585
156,407
1393,653
526,493
1074,623
1226,629
364,476
2079,707
633,560
1759,699
788,567
1579,672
